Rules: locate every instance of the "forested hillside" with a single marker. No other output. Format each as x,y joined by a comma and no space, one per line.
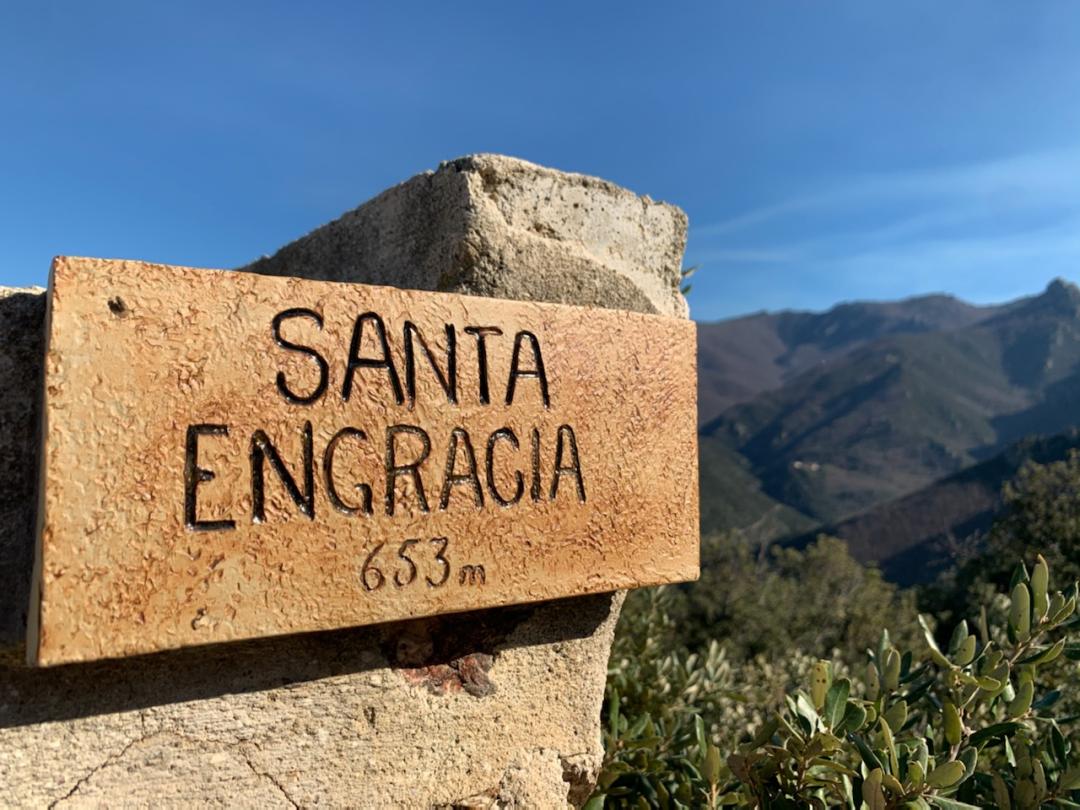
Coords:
891,425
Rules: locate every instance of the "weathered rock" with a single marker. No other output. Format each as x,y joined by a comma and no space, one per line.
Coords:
495,226
499,708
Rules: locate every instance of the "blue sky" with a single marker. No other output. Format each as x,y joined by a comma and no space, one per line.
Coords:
823,151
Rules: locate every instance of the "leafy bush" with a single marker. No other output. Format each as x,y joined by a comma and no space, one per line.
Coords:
1041,511
819,600
978,720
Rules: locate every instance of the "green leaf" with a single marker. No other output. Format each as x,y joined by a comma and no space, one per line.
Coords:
1044,655
712,765
869,758
965,653
988,684
890,745
945,775
960,633
1020,574
1001,793
916,774
872,792
1070,780
1020,704
1047,700
970,757
1040,583
922,754
832,765
765,733
897,715
854,717
1059,746
1057,603
892,784
984,630
1062,617
613,713
1020,611
836,703
891,673
935,651
820,676
954,728
990,732
873,681
699,733
595,803
804,710
638,727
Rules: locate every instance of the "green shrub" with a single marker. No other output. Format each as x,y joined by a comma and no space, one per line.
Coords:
979,720
819,600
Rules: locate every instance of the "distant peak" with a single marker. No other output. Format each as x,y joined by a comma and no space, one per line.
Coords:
1060,286
1061,294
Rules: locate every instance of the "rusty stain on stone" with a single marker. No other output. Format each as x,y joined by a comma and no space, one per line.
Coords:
228,456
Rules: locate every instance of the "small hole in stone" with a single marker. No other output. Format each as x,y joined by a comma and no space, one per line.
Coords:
117,306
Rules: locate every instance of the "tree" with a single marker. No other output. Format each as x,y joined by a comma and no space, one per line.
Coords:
818,600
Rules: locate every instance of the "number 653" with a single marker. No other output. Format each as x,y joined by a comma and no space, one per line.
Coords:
405,570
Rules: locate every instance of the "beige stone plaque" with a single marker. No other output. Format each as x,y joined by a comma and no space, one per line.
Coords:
228,455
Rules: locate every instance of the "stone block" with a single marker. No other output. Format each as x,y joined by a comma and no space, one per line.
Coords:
504,228
499,708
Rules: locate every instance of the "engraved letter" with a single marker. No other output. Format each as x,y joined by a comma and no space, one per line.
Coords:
324,368
356,361
328,475
534,486
481,333
537,371
451,478
519,480
194,475
448,381
261,449
412,470
566,434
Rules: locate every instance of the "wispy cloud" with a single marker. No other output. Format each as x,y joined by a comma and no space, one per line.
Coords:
1038,178
982,230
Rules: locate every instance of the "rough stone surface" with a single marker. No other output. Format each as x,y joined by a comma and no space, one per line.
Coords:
137,353
495,709
505,228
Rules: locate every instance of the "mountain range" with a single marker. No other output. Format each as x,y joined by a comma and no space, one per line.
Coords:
891,425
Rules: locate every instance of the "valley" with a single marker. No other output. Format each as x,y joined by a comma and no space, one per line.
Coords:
889,425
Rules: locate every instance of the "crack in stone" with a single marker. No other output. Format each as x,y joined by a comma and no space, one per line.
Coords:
270,777
112,759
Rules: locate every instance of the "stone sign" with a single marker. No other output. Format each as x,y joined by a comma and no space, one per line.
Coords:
229,455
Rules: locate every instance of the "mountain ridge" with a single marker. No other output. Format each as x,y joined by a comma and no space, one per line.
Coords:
739,358
866,405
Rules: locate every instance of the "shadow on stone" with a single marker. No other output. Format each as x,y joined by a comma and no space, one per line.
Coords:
427,652
22,351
